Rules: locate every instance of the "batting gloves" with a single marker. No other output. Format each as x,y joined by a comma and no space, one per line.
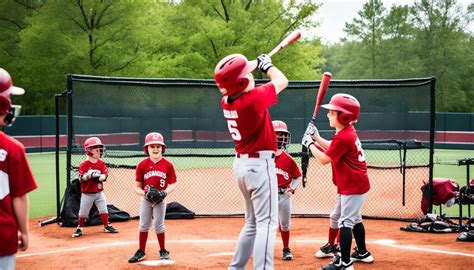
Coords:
307,141
313,131
264,63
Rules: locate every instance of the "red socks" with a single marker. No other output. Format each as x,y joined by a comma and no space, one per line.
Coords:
161,240
142,240
333,234
105,219
81,221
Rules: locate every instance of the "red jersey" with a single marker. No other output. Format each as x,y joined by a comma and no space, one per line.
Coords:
349,169
249,121
286,169
159,174
16,179
92,186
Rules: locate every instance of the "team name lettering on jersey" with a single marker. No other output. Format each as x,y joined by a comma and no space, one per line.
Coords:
282,173
230,114
154,173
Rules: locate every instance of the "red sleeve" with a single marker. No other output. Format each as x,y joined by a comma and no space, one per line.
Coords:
22,180
138,173
266,95
172,174
336,149
296,170
82,167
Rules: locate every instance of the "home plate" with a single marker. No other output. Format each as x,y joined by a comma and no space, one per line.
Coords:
386,242
221,254
157,262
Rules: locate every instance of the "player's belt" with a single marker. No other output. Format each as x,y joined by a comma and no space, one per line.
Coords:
257,155
281,190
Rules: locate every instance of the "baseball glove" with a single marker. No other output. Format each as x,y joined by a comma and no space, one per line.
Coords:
154,195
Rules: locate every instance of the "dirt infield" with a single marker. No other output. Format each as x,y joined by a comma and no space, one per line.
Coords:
208,243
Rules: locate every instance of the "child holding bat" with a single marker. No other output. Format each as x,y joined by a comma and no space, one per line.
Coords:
349,171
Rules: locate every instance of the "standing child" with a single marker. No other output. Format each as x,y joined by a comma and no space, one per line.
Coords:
154,172
16,180
349,171
289,176
245,107
93,174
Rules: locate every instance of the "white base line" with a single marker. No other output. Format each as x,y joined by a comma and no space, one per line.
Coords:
386,243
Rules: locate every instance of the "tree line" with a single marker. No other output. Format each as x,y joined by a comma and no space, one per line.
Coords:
43,40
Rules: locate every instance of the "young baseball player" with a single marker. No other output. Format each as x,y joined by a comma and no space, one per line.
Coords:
289,176
93,174
245,107
16,180
158,172
349,171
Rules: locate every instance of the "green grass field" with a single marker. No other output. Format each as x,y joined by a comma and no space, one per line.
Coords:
42,200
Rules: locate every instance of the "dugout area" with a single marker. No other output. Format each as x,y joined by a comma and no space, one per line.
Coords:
396,127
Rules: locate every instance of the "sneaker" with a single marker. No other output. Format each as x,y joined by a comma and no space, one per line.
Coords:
110,229
366,257
164,254
287,256
327,250
78,232
139,255
338,264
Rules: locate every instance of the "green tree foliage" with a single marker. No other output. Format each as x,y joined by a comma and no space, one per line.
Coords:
429,38
167,39
368,28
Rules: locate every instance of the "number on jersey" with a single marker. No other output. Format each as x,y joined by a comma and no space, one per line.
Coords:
234,132
360,150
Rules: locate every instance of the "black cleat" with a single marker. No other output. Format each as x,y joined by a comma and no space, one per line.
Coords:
78,232
327,250
287,256
164,254
110,229
139,255
366,257
338,264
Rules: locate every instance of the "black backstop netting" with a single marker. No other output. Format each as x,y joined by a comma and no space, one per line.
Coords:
396,127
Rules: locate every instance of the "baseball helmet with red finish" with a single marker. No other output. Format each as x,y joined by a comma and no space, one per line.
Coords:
154,138
231,72
91,142
6,90
347,106
282,133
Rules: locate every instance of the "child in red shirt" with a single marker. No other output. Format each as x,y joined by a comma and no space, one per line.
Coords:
349,171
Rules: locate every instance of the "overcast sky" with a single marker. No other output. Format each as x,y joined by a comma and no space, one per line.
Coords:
334,13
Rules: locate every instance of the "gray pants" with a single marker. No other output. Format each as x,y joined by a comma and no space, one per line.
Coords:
7,262
284,212
150,212
87,199
348,211
256,178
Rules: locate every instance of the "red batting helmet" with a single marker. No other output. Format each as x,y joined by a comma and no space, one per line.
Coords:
6,90
154,138
91,142
284,138
347,105
231,72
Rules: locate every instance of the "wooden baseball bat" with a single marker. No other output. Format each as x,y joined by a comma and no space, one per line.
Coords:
323,89
294,36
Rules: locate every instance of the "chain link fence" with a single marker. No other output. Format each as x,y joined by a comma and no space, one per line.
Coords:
395,126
